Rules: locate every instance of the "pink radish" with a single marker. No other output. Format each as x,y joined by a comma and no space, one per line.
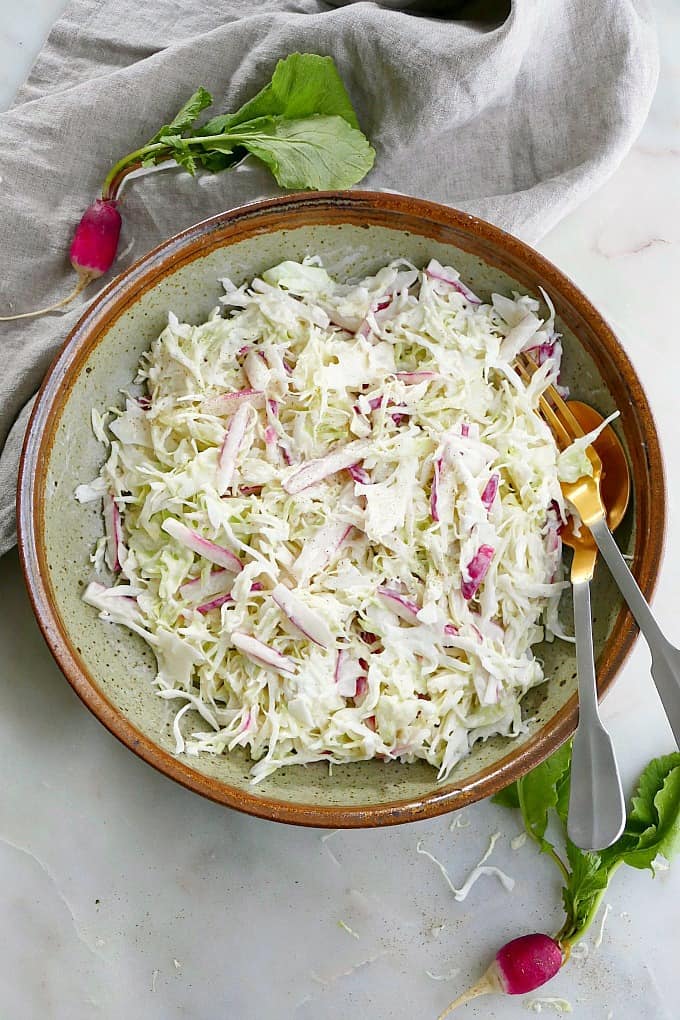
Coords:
262,654
203,546
413,378
402,606
490,490
361,689
228,403
359,474
310,624
316,470
215,603
347,674
115,550
226,462
319,551
93,250
434,491
465,430
519,967
214,584
437,272
476,571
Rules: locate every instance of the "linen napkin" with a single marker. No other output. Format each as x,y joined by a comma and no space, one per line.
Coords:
515,118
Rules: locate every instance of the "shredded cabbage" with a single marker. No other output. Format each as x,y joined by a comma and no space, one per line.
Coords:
337,517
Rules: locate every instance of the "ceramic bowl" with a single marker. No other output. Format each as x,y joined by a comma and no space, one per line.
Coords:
355,233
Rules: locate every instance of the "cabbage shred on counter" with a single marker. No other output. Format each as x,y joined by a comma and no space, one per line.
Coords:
334,515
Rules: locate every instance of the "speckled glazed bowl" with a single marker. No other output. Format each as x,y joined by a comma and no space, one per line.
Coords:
355,233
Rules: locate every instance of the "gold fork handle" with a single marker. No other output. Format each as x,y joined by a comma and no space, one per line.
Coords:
665,658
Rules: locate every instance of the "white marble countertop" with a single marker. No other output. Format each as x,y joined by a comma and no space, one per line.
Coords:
124,895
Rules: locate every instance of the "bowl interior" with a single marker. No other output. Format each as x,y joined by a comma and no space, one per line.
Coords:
115,667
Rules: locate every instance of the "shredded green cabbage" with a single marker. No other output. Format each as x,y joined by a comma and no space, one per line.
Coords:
335,513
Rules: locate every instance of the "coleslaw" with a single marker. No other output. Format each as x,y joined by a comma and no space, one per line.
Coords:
333,513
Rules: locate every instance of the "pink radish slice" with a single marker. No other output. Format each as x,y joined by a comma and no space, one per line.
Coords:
261,653
465,430
270,435
368,638
437,272
490,490
413,378
214,584
402,606
316,470
319,551
434,491
399,417
476,571
310,624
115,550
348,670
359,474
215,603
229,403
203,546
361,689
226,462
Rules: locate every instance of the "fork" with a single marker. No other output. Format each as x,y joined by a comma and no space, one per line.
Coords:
597,810
585,496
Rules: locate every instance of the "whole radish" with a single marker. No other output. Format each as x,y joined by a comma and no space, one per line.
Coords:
518,967
652,831
340,161
92,252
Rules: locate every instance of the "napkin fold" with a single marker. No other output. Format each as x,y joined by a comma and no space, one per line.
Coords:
515,117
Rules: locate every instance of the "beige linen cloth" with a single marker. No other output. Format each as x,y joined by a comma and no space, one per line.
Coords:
515,119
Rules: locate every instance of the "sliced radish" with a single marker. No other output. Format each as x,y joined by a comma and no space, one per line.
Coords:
203,546
401,605
438,272
359,474
214,584
413,378
434,491
319,551
348,670
226,462
490,490
316,470
215,603
228,403
115,549
361,689
310,624
465,430
261,653
476,571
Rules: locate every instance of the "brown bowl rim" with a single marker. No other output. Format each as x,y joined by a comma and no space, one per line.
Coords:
186,246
